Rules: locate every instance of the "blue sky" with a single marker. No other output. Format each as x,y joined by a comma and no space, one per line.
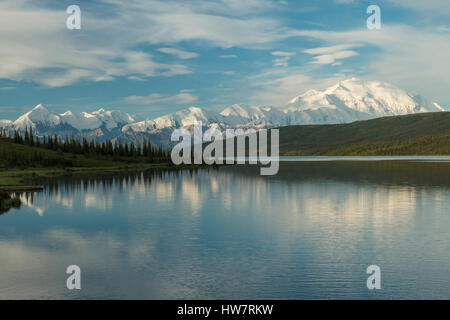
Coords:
153,57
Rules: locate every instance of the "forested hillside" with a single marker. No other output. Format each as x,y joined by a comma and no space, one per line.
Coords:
417,134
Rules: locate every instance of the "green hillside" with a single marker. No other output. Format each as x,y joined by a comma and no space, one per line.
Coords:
418,134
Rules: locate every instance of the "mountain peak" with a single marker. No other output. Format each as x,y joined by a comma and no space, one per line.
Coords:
352,79
309,93
99,111
39,107
195,109
37,115
67,113
238,110
362,98
351,84
438,106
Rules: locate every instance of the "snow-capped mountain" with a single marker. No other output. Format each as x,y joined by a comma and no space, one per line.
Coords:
38,116
242,115
141,126
188,117
100,124
82,121
6,124
112,119
347,101
355,99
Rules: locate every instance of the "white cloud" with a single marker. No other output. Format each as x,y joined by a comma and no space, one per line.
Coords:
7,88
439,7
330,54
283,61
135,78
228,56
330,49
219,31
179,53
224,23
332,57
283,54
344,1
184,97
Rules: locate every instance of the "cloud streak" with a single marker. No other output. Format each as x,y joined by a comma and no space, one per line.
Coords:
184,97
179,53
283,60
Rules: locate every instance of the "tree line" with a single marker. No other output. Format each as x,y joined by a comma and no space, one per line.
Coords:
87,147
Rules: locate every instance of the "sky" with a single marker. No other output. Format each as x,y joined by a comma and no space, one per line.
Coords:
153,57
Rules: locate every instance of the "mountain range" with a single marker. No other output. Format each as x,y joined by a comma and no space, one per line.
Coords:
347,101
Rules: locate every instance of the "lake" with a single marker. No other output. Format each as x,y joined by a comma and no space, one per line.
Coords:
309,232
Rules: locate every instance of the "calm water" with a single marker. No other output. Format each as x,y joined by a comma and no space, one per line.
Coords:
308,233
